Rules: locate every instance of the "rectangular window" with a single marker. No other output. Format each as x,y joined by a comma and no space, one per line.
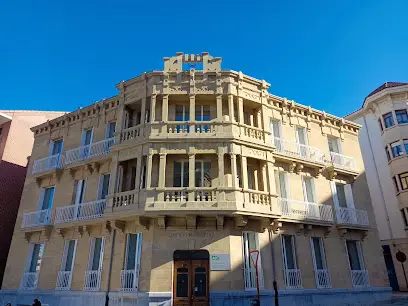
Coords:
380,124
404,216
251,243
79,191
308,190
202,174
355,255
333,144
35,257
396,149
87,136
387,152
104,186
406,146
132,178
202,113
388,120
289,252
404,180
96,254
275,127
110,129
56,146
394,179
182,113
341,195
68,255
46,198
319,258
281,186
402,116
301,137
180,174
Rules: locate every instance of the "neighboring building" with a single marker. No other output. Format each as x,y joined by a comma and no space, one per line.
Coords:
162,192
384,144
16,143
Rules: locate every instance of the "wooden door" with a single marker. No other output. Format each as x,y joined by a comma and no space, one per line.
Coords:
182,283
199,283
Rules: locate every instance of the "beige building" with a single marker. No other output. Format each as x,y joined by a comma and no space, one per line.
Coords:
384,144
166,193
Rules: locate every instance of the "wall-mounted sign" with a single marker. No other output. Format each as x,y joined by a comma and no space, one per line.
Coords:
220,262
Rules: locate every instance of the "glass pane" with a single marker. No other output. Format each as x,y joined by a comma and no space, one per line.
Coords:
48,197
301,137
200,282
282,185
57,147
207,174
88,136
105,185
36,257
341,195
198,174
309,190
275,129
131,251
250,178
353,255
406,145
177,174
111,129
318,253
333,147
185,174
289,252
70,255
251,245
97,254
182,284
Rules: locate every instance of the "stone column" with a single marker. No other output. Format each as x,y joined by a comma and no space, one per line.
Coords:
162,170
264,177
192,112
113,180
270,167
165,108
259,119
256,181
152,108
219,108
138,171
221,174
244,172
143,111
234,170
191,177
240,110
251,119
149,170
231,107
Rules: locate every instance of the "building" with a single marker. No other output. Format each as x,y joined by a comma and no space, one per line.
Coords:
165,193
384,144
16,142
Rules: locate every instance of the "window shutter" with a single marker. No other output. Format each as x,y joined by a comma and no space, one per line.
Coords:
334,194
349,196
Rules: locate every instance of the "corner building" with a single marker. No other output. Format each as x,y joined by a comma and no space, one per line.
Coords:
163,195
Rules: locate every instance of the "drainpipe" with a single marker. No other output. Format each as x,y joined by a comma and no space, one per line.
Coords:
110,268
378,179
275,284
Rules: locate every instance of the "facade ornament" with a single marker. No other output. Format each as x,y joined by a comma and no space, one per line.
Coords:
331,173
220,222
327,231
118,225
298,168
291,167
191,222
323,122
161,221
241,221
276,226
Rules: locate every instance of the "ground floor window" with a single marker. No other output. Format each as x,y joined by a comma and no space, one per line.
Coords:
251,243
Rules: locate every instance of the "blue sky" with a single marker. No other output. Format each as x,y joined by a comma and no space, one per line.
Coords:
60,55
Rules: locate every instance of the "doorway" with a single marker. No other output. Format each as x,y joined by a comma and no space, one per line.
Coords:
392,276
191,278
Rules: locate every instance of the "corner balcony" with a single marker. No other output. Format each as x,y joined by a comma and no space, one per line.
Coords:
300,210
298,151
87,152
47,164
85,211
36,219
350,217
29,280
343,162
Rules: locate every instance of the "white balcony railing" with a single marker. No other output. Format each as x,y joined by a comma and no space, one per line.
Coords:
90,210
64,279
359,278
37,218
322,278
351,216
29,280
48,163
293,209
293,278
250,278
86,152
92,280
342,161
291,148
129,280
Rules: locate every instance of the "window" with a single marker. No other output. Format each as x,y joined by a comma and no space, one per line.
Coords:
275,127
103,189
355,255
402,116
319,263
180,174
251,243
333,144
387,152
67,265
202,113
182,114
143,173
404,216
388,120
308,190
394,179
93,274
380,124
289,253
46,198
396,149
130,277
55,147
406,146
79,191
36,257
110,129
404,180
341,195
281,184
202,174
31,272
87,137
301,139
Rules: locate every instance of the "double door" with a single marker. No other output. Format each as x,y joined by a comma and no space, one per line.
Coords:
191,283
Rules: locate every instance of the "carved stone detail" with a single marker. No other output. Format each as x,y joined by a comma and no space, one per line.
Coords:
27,236
241,221
343,232
118,225
161,221
191,222
298,168
327,231
143,222
291,167
61,232
220,222
46,232
331,173
276,226
299,228
307,229
318,172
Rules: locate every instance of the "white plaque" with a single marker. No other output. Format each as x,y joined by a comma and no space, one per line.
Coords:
220,262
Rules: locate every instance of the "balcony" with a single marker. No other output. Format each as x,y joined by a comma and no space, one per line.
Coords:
351,217
85,211
293,279
359,278
300,210
342,161
299,151
92,280
250,278
46,164
322,279
36,219
64,280
29,280
129,280
92,150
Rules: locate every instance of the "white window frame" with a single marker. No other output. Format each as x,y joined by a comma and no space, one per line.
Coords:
108,129
201,161
185,114
285,181
83,136
42,196
312,184
65,254
338,143
285,264
137,257
304,131
92,254
30,257
201,107
247,259
348,192
324,260
52,144
279,124
100,185
182,162
359,253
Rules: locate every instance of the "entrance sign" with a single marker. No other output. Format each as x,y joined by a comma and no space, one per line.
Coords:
220,262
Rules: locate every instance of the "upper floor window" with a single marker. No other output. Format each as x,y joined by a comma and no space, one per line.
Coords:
342,195
55,146
380,124
334,145
35,256
202,113
180,174
308,189
402,116
87,136
388,120
403,177
110,129
46,198
182,113
202,174
281,184
301,136
396,149
103,189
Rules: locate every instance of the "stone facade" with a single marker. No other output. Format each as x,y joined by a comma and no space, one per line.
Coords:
205,166
384,145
